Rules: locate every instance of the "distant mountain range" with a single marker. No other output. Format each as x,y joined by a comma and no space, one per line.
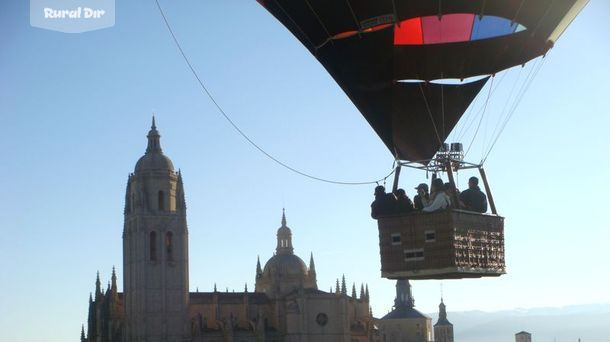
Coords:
590,323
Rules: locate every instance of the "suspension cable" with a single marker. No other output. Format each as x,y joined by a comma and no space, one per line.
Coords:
423,94
238,130
520,96
482,115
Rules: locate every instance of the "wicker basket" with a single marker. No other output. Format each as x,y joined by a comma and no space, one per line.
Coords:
450,244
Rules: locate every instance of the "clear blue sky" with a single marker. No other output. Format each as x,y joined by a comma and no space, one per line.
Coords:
75,109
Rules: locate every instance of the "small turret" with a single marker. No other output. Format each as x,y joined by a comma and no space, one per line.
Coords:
443,329
284,238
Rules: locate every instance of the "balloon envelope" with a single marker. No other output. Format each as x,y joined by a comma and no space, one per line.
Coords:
371,47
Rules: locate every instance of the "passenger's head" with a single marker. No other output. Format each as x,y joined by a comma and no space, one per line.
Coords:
473,182
437,185
379,190
447,187
400,193
422,188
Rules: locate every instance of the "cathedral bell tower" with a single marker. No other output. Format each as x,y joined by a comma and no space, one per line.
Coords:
155,249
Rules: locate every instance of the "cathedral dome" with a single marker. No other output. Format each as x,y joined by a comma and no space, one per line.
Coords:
154,159
285,265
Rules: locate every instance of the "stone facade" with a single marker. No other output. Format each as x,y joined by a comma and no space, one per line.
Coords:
156,305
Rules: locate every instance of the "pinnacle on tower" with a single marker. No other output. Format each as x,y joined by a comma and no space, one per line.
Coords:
343,287
215,290
283,217
366,292
259,270
98,285
82,333
154,145
337,289
354,291
362,291
246,288
312,265
113,278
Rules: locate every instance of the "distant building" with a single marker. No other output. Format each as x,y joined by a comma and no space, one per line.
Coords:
523,336
157,306
443,329
404,322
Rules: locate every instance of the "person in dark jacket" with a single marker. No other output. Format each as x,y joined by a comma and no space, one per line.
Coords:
473,198
403,202
384,203
422,198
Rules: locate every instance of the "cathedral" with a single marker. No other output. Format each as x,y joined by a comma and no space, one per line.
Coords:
286,304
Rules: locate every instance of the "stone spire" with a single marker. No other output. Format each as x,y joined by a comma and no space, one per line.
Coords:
337,288
404,297
366,292
113,287
362,291
312,265
354,291
343,287
283,217
259,270
98,286
154,144
82,333
180,198
284,238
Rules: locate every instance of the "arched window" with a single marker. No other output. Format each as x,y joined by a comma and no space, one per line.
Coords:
153,246
169,248
161,201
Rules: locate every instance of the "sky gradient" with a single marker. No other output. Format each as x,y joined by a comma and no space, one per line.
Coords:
75,110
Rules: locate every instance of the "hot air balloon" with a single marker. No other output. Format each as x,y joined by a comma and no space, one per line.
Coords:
390,57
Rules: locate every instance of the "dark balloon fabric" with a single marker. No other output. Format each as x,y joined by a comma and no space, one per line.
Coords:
371,47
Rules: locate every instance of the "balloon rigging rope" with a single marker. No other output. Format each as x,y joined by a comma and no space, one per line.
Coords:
242,133
423,94
482,115
520,96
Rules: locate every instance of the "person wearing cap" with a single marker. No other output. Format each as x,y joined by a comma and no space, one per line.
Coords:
422,198
384,203
439,200
473,198
403,202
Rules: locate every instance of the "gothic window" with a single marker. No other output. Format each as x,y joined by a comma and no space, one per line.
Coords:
153,246
161,201
169,248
